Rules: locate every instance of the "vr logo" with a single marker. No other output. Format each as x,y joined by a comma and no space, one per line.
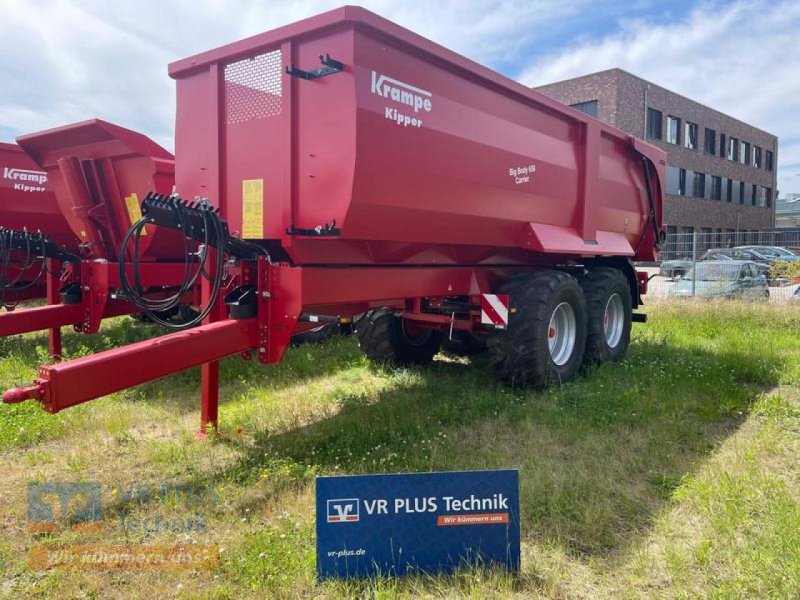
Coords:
78,503
343,511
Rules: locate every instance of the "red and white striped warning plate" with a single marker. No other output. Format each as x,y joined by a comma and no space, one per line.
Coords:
494,309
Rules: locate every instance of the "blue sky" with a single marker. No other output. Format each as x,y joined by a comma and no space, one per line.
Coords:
62,61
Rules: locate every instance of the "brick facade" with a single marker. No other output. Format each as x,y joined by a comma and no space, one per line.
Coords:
622,99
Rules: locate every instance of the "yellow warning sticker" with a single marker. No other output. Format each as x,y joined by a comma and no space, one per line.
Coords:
253,209
134,210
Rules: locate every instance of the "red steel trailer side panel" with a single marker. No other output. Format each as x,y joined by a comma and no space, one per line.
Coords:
27,200
419,155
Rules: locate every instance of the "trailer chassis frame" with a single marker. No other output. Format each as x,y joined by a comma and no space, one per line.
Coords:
284,294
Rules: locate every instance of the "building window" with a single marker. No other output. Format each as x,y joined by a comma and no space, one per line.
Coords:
687,233
741,192
722,147
744,154
671,243
716,188
673,187
757,157
754,196
590,108
654,123
690,136
733,149
710,142
729,197
673,130
764,197
699,187
676,181
705,241
768,161
761,200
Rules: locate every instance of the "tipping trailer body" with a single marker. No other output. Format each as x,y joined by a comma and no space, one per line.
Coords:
27,200
418,155
356,166
27,206
99,173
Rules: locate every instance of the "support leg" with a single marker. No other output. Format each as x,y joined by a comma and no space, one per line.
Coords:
209,372
209,391
52,298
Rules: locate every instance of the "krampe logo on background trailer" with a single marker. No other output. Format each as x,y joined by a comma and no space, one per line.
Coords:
25,180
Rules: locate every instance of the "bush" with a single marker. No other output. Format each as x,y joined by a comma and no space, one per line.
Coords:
784,269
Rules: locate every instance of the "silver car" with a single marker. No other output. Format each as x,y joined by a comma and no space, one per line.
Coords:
723,279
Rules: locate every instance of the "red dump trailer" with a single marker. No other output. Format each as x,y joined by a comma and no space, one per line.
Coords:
344,165
97,174
28,209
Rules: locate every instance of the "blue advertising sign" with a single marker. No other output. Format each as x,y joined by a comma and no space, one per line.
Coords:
419,522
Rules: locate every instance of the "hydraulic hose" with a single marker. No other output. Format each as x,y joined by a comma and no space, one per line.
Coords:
133,289
31,256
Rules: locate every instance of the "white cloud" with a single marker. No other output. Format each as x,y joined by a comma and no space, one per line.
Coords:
63,61
742,58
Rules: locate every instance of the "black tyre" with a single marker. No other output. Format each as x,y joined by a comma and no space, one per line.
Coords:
316,335
384,337
609,310
546,332
465,344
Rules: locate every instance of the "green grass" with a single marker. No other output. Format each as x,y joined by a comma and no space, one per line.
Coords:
671,474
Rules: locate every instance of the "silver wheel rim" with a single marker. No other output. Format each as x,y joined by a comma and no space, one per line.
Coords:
613,320
418,340
561,334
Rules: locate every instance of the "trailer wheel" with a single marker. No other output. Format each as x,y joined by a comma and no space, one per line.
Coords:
385,337
609,310
546,332
465,343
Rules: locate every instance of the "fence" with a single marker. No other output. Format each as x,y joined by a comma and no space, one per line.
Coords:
762,266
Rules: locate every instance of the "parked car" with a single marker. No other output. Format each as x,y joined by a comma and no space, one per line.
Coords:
738,254
723,279
771,253
672,269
